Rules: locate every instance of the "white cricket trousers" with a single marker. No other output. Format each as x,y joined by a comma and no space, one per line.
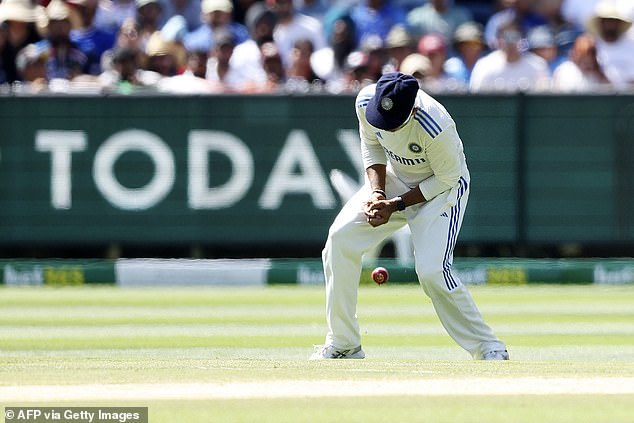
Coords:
434,226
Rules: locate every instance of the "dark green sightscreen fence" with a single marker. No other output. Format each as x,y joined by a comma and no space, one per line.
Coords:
255,170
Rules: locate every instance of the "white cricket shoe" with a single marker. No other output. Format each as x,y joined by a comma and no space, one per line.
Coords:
496,355
325,352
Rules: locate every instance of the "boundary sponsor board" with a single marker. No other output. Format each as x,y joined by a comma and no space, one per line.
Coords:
237,272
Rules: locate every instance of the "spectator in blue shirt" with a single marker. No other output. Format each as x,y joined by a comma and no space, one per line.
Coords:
217,15
92,41
376,17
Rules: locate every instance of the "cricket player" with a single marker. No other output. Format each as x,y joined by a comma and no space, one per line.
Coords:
416,175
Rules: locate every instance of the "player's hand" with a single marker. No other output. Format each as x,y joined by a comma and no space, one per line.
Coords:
378,212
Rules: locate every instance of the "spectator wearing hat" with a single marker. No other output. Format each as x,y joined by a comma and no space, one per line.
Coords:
193,79
31,68
439,16
563,31
399,44
149,17
615,46
163,57
65,59
416,65
434,47
190,10
292,26
376,18
509,68
18,19
581,72
91,40
541,41
468,49
217,16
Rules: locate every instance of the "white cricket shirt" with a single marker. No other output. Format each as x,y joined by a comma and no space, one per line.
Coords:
427,151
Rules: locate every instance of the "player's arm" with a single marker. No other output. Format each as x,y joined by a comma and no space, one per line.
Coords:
444,154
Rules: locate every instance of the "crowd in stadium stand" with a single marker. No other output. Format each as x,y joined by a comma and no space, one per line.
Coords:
314,46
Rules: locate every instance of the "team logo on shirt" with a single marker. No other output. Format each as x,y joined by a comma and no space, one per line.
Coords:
387,103
415,148
407,161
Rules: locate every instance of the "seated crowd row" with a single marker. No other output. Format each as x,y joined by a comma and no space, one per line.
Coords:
277,46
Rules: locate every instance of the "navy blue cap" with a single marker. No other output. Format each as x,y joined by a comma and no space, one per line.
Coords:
393,100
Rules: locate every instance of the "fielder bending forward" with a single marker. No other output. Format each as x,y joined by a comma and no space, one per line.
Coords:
416,175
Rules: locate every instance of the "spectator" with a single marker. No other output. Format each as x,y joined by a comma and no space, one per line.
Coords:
188,9
581,72
563,31
376,54
126,75
149,18
416,65
376,18
217,16
92,41
163,57
128,38
400,44
328,62
355,72
273,68
519,10
293,26
434,47
110,15
439,16
247,57
300,73
314,8
469,47
508,68
541,41
192,80
65,59
219,69
31,69
18,18
615,49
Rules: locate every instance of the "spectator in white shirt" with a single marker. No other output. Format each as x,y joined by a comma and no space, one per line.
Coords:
615,47
581,72
509,68
292,27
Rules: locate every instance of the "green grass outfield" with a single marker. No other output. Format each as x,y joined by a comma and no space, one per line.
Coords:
239,355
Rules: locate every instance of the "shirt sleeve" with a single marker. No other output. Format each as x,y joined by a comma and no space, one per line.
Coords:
445,158
371,150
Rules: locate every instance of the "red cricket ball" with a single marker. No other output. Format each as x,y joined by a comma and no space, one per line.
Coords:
380,275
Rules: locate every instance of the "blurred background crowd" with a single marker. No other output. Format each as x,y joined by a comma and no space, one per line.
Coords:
321,46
